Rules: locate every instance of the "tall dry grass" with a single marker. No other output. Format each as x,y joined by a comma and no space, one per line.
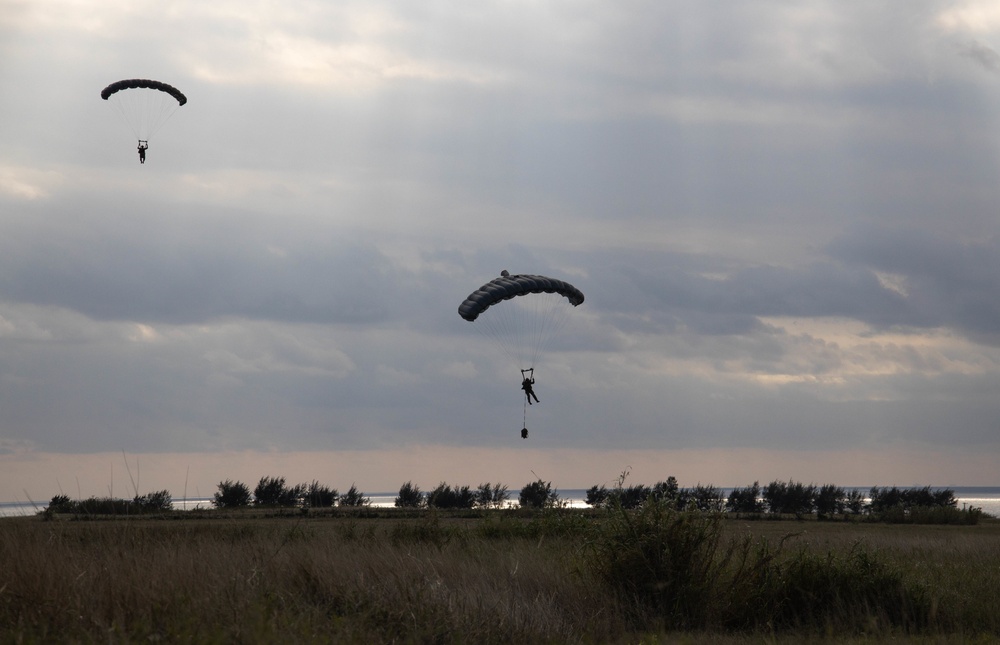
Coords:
290,580
957,566
441,578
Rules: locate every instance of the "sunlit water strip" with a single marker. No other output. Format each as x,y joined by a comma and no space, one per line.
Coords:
986,498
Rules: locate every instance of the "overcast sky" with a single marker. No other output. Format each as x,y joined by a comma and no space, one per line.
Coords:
784,217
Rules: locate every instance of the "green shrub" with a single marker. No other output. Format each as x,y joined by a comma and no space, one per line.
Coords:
492,495
844,592
410,496
793,498
319,496
354,498
883,499
444,496
598,496
231,495
929,515
745,500
675,569
538,494
59,504
158,502
102,506
661,559
830,500
272,491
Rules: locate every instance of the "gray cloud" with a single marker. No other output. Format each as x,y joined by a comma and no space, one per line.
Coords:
784,222
982,55
942,281
127,261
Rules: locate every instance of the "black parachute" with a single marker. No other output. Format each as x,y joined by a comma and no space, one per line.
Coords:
523,314
510,286
526,313
145,83
144,104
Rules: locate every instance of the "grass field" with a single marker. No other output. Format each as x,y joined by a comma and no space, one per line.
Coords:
559,576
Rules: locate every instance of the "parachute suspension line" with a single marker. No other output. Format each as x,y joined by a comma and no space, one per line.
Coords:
121,112
550,317
525,326
144,110
166,111
542,317
501,324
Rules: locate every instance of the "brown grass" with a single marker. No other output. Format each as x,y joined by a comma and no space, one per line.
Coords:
262,580
426,579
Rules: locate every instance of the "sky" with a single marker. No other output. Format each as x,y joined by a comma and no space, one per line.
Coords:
784,218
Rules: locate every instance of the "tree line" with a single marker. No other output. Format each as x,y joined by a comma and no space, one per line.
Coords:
777,498
274,492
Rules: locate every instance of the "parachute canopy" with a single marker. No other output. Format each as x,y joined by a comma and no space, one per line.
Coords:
145,83
510,286
144,104
528,312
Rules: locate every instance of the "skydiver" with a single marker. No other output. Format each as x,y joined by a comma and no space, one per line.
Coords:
142,150
524,433
526,384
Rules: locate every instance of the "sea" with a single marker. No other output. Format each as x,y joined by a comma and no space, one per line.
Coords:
986,498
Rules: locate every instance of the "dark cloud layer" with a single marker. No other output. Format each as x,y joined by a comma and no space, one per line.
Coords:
944,281
784,220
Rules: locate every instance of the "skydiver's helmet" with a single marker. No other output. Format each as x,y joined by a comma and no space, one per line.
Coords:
505,274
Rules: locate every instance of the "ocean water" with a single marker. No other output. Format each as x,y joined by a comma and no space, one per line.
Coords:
986,498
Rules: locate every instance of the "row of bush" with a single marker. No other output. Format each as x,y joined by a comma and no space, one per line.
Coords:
157,502
537,494
780,498
777,498
274,492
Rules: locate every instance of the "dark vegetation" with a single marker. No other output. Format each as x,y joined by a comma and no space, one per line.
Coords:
158,502
538,494
457,564
445,496
645,571
272,492
794,499
775,500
